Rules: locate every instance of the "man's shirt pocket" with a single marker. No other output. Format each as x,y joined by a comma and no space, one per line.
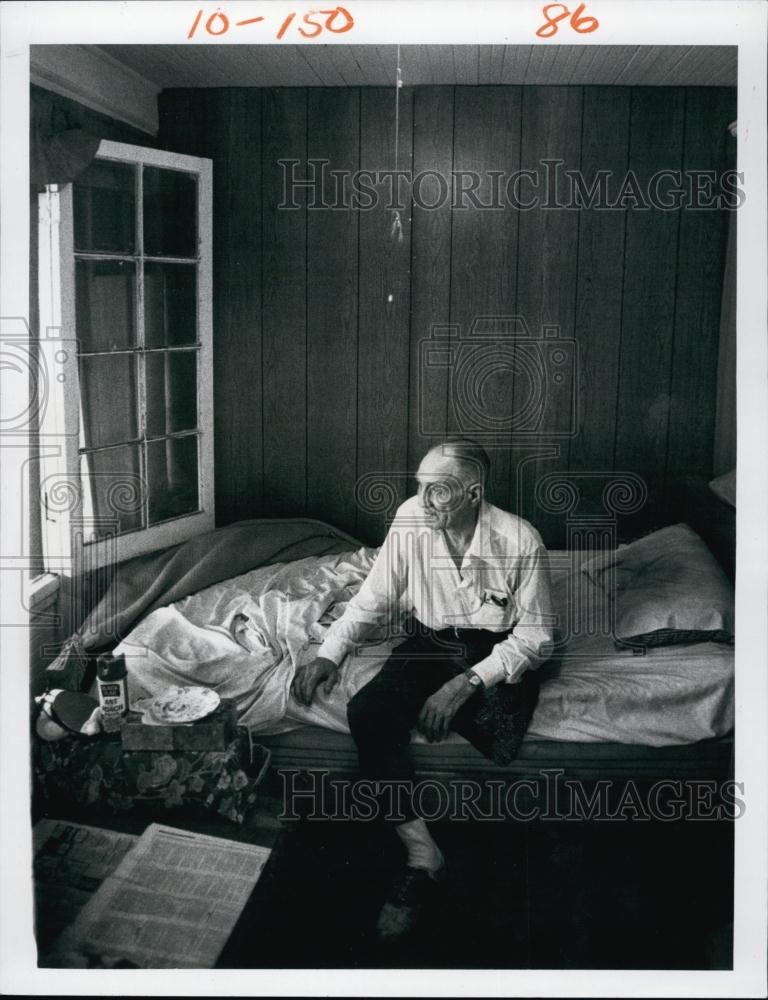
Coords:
498,598
489,608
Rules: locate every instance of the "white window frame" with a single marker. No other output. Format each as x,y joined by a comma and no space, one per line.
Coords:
68,539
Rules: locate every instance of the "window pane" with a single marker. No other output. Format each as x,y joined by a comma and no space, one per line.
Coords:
113,490
105,300
170,304
105,208
171,392
170,213
172,474
108,395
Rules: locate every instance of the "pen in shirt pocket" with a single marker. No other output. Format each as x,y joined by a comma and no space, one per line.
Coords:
497,597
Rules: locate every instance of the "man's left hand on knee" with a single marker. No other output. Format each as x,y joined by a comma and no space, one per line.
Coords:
439,709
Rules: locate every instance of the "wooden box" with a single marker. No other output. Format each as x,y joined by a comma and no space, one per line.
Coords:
214,732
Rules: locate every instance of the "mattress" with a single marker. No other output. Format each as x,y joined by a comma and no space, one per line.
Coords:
591,693
311,748
603,712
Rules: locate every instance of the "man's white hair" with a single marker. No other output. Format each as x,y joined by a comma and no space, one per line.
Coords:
471,459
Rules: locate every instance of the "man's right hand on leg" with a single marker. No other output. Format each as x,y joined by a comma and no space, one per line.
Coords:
307,678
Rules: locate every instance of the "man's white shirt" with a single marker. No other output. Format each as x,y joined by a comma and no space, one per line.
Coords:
503,585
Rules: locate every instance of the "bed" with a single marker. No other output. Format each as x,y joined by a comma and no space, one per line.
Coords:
240,608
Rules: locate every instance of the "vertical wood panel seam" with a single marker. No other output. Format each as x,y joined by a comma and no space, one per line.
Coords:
511,491
617,389
450,251
357,315
674,300
528,64
576,278
262,101
623,283
511,475
306,306
408,436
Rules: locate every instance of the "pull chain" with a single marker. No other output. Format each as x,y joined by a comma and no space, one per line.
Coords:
396,229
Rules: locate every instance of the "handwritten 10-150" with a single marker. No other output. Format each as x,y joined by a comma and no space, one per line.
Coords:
312,23
338,20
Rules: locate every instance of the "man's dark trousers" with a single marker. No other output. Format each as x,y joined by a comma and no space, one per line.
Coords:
382,714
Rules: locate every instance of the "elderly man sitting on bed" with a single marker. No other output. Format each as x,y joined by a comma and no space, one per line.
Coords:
475,580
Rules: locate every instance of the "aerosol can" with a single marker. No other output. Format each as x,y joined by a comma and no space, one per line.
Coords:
111,677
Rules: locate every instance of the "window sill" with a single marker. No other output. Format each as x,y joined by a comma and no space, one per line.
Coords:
42,592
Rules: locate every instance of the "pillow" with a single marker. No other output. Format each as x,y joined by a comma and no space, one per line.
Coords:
666,588
724,487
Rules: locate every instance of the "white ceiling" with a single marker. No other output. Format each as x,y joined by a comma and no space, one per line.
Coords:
123,81
375,65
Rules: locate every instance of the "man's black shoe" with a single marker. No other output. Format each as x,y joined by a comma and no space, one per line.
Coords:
405,901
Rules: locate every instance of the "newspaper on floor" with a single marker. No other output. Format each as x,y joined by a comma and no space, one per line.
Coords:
172,903
71,860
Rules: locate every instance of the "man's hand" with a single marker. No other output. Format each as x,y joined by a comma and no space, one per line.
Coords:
318,671
439,709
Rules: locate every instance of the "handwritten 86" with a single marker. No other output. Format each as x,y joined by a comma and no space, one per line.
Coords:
581,24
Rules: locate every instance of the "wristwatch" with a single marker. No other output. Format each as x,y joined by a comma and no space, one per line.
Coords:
474,679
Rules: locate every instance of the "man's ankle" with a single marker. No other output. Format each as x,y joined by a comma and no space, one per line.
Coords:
422,850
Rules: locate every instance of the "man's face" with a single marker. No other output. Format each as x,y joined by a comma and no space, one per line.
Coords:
441,493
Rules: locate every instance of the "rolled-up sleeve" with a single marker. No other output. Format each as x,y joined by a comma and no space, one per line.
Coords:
531,640
375,604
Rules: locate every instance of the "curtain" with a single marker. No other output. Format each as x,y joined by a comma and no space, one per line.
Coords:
58,154
59,157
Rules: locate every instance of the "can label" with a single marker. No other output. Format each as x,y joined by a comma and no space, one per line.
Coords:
113,697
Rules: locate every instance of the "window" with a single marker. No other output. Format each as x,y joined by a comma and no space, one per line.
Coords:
125,320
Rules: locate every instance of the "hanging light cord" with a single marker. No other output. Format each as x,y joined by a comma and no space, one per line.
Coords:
396,232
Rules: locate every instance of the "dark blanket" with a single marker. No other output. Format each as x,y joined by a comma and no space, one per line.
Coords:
155,580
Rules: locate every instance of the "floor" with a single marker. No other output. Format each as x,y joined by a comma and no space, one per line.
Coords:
618,894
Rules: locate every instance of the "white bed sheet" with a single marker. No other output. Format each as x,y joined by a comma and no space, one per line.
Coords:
590,693
203,639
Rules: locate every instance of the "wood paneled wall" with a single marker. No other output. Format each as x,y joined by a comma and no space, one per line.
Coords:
320,315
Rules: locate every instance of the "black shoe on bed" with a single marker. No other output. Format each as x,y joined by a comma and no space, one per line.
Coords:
405,901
